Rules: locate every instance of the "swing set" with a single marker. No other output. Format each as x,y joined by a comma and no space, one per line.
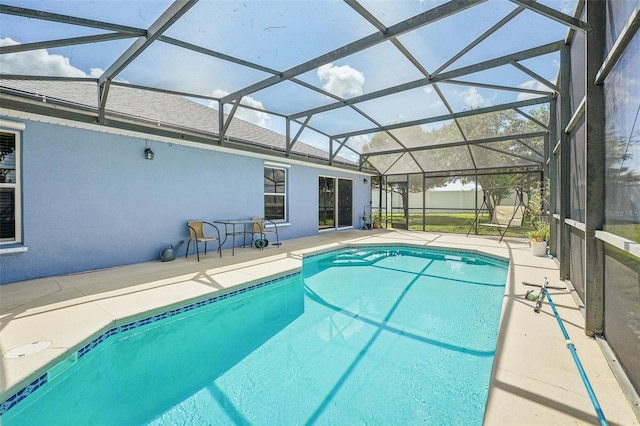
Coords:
502,217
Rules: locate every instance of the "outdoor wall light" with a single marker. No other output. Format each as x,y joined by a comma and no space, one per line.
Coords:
148,154
365,181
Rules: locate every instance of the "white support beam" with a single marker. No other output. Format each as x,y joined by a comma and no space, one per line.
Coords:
628,246
575,224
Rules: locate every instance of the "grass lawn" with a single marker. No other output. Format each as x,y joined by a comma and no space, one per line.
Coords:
630,232
458,223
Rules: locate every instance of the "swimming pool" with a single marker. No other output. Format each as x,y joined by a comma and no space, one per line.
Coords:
362,335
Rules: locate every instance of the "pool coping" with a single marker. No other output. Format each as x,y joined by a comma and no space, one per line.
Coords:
515,252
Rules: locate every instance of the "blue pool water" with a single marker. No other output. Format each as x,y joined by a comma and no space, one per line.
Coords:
362,336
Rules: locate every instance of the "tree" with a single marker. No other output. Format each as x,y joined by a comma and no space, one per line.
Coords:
506,156
623,203
509,153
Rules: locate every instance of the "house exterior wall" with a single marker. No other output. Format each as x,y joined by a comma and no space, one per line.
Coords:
90,200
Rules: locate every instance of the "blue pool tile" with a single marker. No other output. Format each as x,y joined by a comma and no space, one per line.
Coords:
23,393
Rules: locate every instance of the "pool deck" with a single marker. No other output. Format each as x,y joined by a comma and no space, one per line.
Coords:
535,380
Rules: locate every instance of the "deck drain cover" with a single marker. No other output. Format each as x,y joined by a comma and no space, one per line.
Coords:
28,349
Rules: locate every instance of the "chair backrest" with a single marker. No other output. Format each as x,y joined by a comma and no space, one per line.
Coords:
196,229
258,225
503,214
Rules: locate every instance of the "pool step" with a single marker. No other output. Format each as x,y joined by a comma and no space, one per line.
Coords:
357,258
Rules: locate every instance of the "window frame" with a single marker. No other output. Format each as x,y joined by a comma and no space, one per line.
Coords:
16,130
285,169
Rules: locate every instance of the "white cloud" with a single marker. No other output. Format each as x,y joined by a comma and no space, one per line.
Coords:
568,7
358,142
40,62
473,99
96,72
342,80
256,117
532,85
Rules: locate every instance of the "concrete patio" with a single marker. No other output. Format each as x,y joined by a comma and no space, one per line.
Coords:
535,380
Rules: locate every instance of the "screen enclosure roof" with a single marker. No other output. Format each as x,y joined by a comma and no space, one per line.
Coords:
391,87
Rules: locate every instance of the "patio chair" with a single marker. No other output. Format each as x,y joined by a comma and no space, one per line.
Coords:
258,228
198,235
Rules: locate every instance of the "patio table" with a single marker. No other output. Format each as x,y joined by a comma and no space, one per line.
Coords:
233,227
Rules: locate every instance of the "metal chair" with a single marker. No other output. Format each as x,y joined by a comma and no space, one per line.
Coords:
258,228
197,234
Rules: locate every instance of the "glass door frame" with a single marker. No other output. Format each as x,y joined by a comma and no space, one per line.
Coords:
335,186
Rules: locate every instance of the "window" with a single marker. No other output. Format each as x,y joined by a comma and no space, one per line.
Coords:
275,193
326,203
10,215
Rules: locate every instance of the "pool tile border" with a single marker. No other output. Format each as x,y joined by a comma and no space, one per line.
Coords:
168,314
23,393
14,399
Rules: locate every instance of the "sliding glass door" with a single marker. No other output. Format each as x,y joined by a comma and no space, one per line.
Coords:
335,203
345,203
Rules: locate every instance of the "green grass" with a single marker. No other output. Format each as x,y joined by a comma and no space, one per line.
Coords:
458,223
630,232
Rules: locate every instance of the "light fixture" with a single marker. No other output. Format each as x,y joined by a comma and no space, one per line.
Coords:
365,181
148,154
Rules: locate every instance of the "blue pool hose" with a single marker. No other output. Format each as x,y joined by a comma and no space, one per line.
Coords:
585,380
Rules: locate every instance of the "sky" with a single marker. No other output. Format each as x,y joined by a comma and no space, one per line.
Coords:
279,35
